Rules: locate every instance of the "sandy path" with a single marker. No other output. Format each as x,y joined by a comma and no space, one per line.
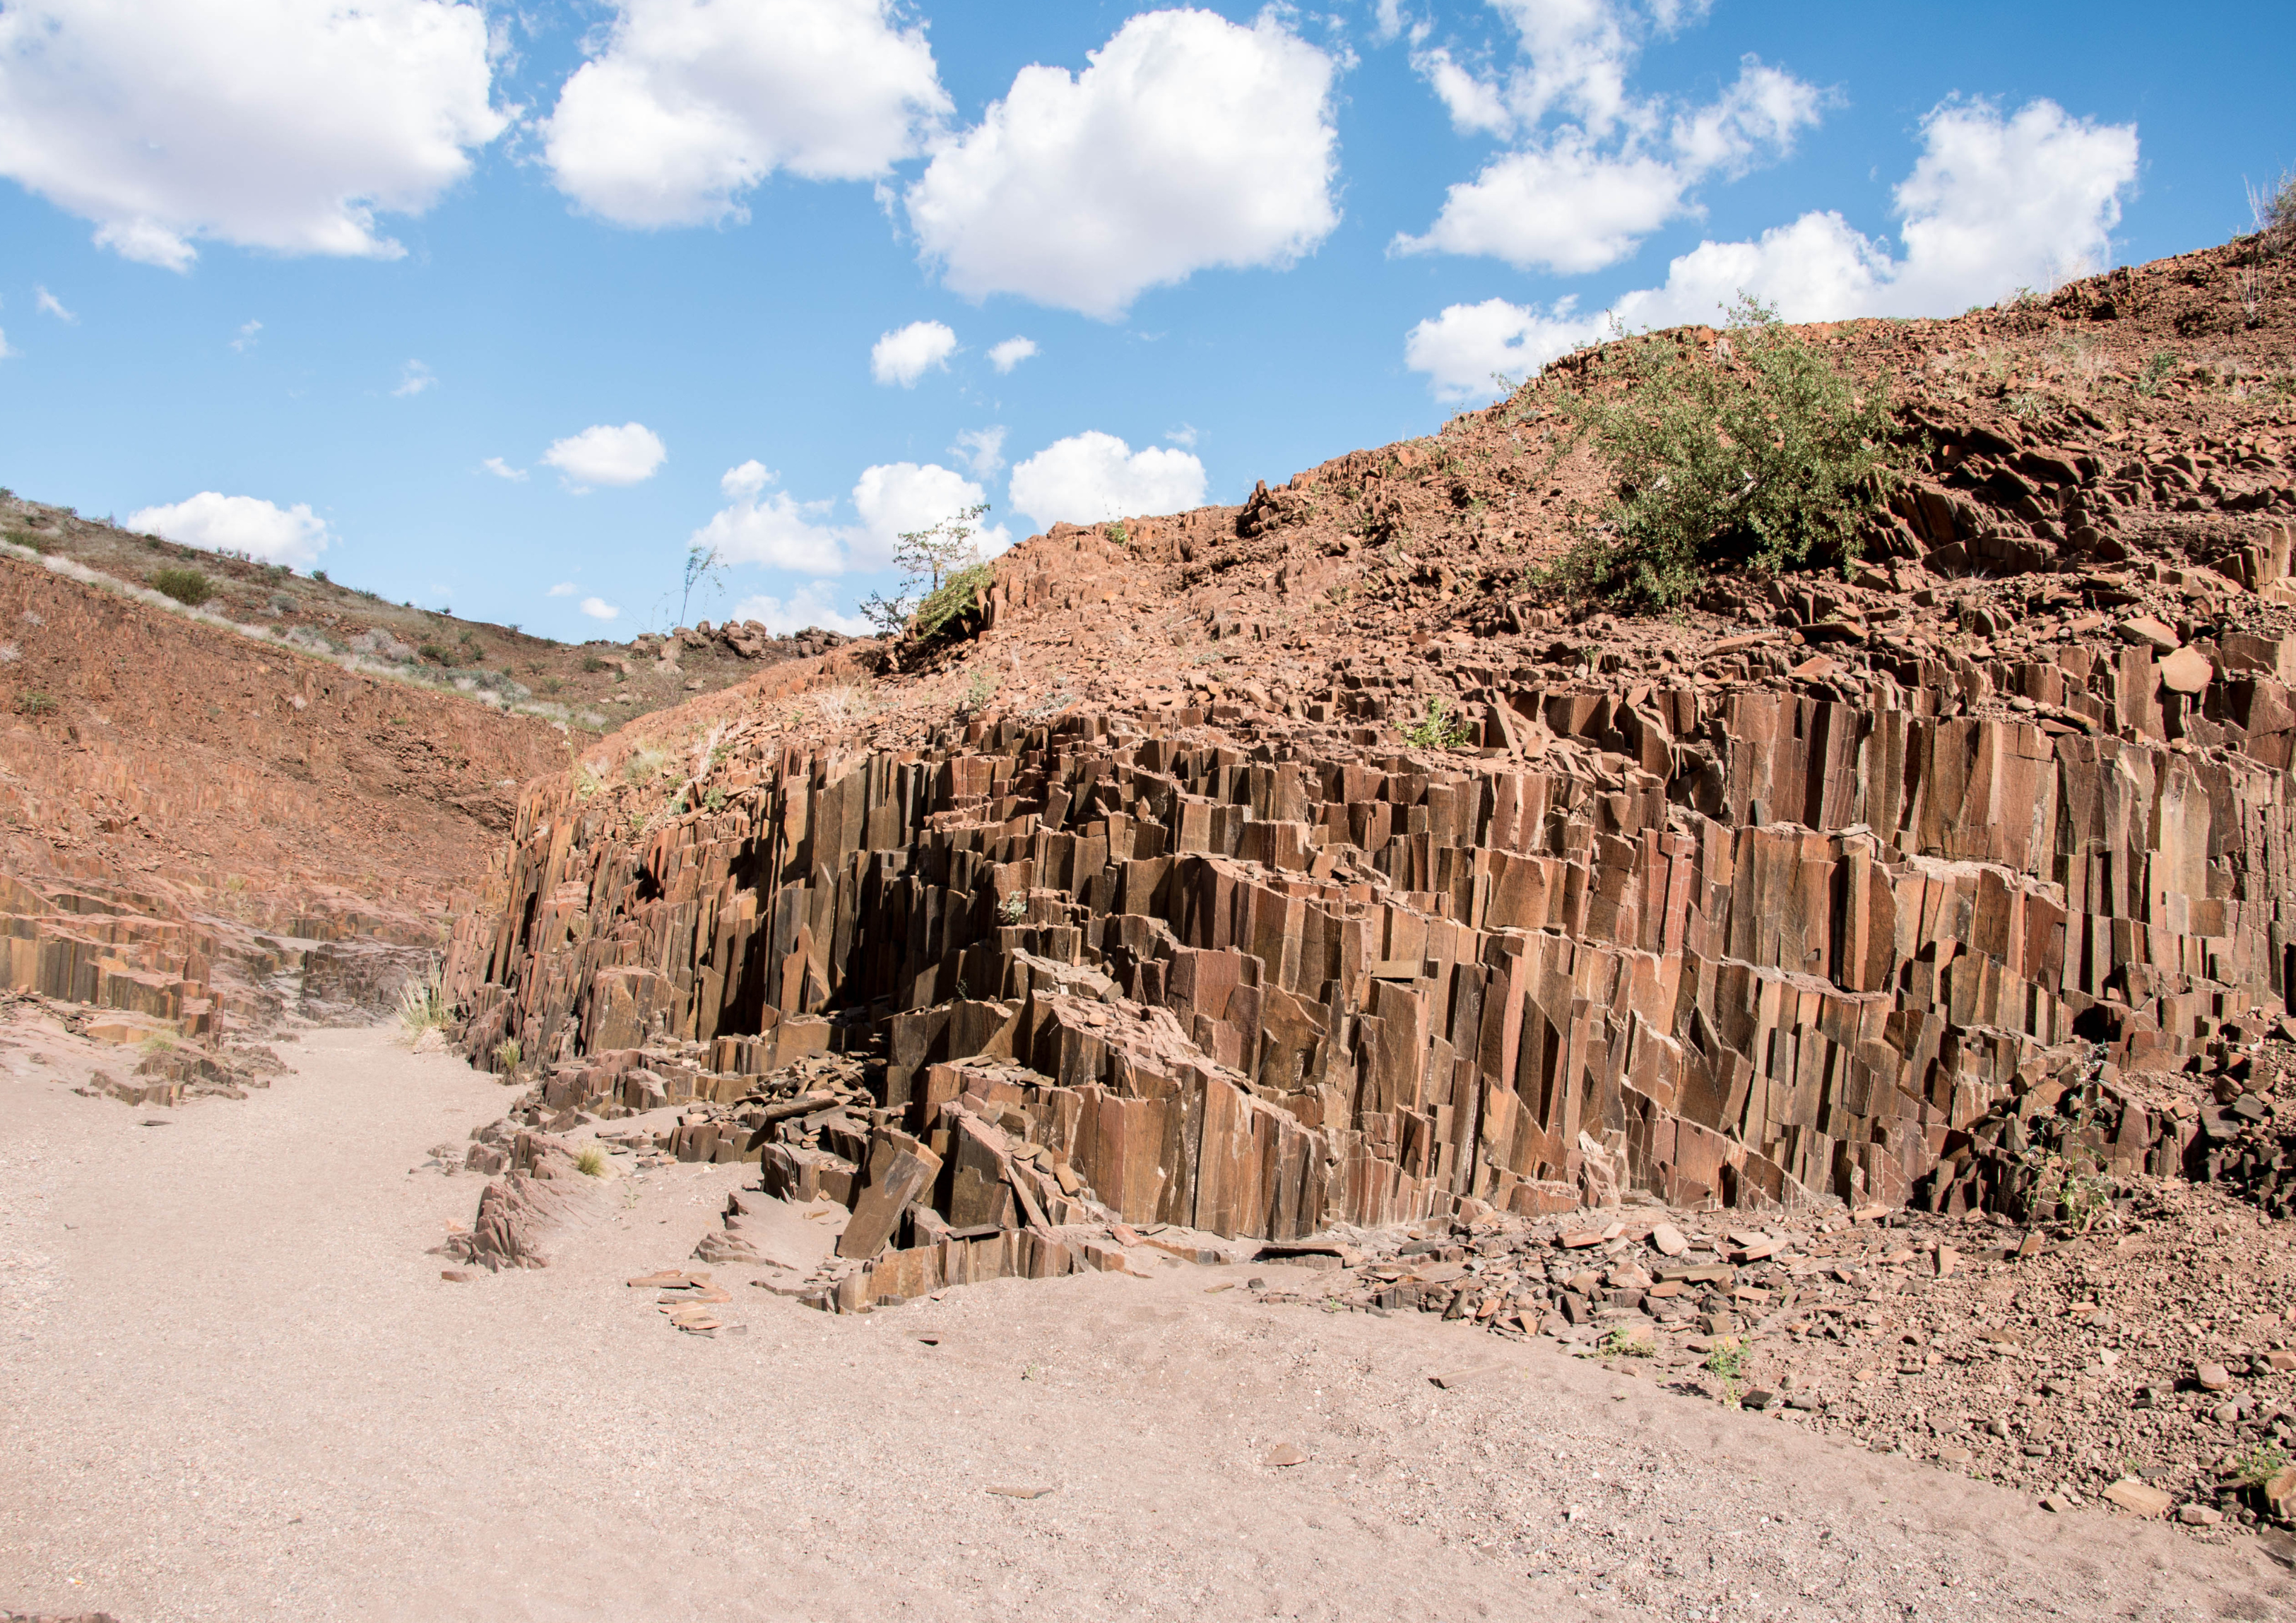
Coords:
231,1384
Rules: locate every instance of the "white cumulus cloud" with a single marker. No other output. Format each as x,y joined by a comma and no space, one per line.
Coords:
1011,353
772,527
809,606
893,497
690,104
1993,204
293,536
982,450
599,609
762,525
1574,201
287,126
601,454
1091,477
907,353
500,469
1188,141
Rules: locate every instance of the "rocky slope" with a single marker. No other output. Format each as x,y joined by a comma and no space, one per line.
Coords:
1769,902
1310,874
200,830
589,686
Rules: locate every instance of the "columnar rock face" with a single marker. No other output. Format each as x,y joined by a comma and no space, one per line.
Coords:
1753,946
1312,862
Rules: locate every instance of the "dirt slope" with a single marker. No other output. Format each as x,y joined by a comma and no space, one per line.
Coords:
170,791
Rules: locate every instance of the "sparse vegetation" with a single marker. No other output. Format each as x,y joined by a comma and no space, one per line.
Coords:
644,764
1619,1344
189,587
507,1055
590,1160
435,653
32,701
1119,534
2274,205
979,689
1439,729
705,571
2257,1464
2158,368
1013,909
955,596
939,559
422,1003
1760,452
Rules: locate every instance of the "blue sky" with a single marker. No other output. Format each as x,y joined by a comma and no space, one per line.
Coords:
332,291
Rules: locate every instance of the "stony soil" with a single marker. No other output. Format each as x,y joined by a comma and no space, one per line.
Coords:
233,1384
152,753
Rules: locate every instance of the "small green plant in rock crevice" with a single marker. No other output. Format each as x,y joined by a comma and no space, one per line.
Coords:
1439,730
1726,1361
1760,452
507,1055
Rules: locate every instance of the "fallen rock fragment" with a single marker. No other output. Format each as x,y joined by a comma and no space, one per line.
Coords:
2140,1497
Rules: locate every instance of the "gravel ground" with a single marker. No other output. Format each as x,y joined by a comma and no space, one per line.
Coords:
233,1384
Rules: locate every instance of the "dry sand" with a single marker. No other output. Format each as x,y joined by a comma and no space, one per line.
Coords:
234,1385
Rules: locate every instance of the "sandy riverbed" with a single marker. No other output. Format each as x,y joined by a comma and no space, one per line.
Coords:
234,1385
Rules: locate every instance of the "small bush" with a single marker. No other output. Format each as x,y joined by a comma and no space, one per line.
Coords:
34,702
590,1160
1438,731
189,587
591,664
953,597
435,653
2158,368
506,1055
1762,453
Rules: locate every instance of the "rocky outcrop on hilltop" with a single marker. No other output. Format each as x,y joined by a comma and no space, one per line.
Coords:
1261,870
